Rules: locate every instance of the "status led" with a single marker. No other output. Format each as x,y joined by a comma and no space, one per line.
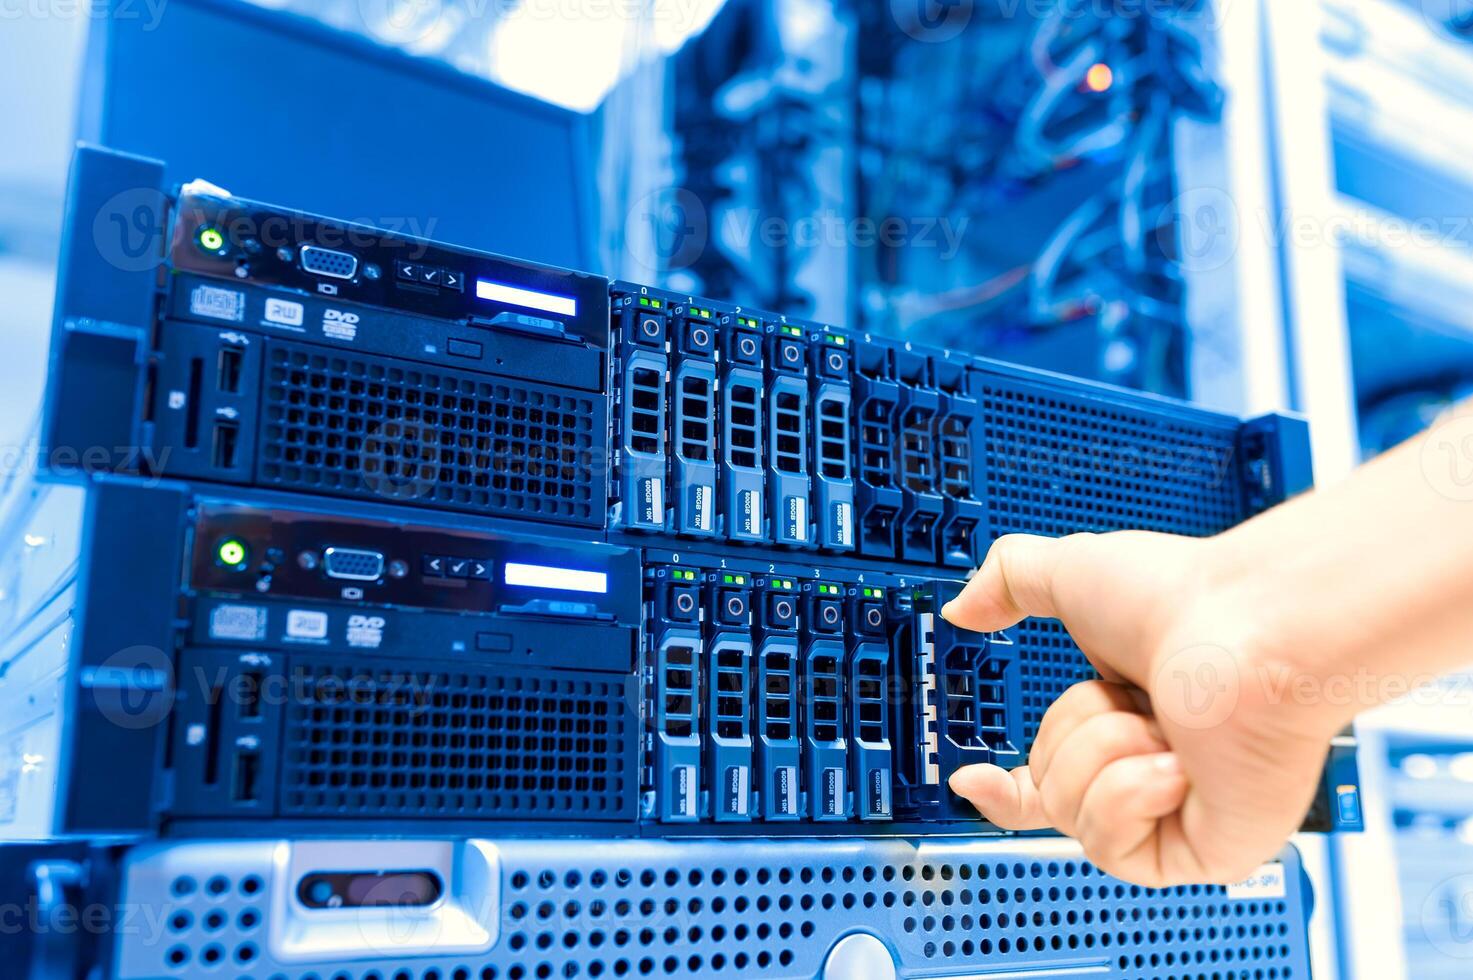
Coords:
211,240
231,553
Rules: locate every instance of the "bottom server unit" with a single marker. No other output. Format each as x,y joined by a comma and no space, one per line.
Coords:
478,909
213,666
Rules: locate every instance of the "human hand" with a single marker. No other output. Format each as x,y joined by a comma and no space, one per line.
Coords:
1180,765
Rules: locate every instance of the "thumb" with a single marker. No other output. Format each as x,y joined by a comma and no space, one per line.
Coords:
1015,581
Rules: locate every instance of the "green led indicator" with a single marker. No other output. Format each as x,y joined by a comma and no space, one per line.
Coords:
644,301
792,331
211,240
231,553
837,339
828,589
874,593
728,578
746,321
704,314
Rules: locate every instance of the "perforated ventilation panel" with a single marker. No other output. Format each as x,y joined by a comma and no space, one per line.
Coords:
367,740
1049,664
345,423
1056,463
735,910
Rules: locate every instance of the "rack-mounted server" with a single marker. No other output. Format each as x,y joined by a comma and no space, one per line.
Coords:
523,513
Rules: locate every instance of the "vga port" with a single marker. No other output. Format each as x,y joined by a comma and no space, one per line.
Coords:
353,564
329,262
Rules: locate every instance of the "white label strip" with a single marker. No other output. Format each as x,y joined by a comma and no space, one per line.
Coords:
500,292
548,577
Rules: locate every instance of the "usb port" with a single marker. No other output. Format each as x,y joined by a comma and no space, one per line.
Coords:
225,444
228,371
244,785
250,694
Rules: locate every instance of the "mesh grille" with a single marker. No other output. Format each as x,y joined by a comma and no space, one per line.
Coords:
634,909
775,914
349,424
1057,464
1050,664
381,741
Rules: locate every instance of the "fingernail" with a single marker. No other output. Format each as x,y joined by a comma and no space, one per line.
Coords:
946,610
962,776
1167,764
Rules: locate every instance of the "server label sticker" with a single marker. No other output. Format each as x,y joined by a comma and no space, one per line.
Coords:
782,790
833,792
683,791
230,622
736,782
651,502
1267,882
879,804
750,510
218,303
